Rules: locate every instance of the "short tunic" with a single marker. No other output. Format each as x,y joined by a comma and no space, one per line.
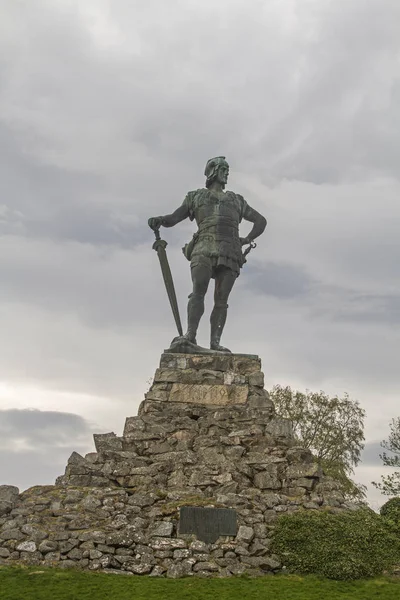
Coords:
216,242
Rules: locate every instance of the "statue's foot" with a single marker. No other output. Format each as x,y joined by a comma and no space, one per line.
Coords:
190,338
219,348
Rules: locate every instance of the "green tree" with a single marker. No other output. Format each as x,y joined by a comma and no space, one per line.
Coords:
390,484
331,427
391,510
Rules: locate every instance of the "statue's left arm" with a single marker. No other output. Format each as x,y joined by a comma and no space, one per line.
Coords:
259,222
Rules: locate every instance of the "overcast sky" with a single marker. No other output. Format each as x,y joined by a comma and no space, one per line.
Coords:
109,110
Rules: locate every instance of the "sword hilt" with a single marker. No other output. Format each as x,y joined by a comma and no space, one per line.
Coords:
251,245
159,243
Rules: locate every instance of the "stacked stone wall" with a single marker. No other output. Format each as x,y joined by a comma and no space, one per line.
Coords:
206,436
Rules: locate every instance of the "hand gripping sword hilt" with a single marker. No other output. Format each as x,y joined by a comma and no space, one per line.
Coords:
252,244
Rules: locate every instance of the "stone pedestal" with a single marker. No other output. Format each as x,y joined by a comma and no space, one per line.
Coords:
207,428
221,380
206,435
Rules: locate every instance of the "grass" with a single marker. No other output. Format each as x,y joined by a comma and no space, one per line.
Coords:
52,584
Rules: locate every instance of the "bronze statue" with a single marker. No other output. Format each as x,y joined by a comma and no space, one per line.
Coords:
215,252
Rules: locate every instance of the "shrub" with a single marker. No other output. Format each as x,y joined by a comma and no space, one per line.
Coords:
348,545
391,510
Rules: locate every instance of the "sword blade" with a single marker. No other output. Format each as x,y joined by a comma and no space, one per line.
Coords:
159,246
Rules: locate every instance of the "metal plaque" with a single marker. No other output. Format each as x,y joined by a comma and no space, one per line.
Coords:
207,523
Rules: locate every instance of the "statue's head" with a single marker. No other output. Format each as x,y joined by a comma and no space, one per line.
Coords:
216,169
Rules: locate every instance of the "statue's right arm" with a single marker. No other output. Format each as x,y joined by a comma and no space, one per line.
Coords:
180,214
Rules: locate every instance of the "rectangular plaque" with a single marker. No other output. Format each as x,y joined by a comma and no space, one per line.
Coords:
207,523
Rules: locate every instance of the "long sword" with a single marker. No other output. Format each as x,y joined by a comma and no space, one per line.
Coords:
159,246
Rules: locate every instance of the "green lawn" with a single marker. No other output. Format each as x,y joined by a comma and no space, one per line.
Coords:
51,584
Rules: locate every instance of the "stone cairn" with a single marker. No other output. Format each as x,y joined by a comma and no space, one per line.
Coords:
206,435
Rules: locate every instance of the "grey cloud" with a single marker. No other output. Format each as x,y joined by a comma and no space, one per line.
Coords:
116,136
283,281
371,309
162,103
108,361
35,445
338,129
370,454
103,286
40,430
51,202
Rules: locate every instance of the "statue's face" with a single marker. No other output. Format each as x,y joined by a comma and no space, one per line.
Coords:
223,173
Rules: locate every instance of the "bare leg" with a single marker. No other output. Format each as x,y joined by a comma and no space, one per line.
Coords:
201,276
224,280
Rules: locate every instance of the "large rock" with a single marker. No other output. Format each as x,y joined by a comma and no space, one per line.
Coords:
245,364
27,547
8,497
245,534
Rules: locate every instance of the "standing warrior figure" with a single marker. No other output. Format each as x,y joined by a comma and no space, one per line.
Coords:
215,252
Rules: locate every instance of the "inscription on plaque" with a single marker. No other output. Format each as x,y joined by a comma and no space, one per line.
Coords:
207,523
